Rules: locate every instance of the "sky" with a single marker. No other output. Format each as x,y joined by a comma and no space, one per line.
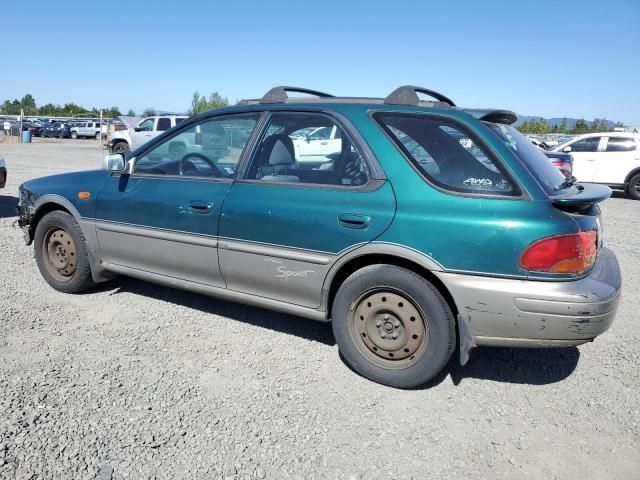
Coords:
549,58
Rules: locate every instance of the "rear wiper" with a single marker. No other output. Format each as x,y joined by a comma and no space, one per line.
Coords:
569,182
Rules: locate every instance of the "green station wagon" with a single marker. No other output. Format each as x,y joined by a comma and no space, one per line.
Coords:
413,225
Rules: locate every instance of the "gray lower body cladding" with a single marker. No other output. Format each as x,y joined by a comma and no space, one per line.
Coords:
525,313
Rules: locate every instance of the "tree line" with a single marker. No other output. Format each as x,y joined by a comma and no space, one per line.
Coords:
541,126
28,105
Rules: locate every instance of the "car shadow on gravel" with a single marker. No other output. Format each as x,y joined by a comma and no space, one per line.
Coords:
620,194
8,206
530,366
280,322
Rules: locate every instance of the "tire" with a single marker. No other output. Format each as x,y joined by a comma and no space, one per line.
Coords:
59,237
98,136
74,135
121,147
61,135
633,187
393,326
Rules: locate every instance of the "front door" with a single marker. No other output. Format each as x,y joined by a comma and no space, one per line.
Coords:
283,224
142,133
586,155
163,218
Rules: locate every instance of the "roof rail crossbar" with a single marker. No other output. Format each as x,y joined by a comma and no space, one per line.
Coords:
408,95
279,94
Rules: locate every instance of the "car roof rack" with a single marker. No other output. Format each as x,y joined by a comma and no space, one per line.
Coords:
279,94
408,95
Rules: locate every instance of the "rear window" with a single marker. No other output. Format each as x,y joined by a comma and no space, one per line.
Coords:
621,144
164,124
548,176
448,156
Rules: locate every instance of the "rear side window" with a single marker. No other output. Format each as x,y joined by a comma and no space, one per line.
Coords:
448,156
180,120
621,144
586,145
164,124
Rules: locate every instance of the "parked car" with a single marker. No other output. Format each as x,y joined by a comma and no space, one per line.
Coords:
86,129
611,158
123,141
3,172
434,227
56,129
562,161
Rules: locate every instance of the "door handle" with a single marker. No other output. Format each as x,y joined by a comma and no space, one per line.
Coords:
199,206
354,220
591,159
324,143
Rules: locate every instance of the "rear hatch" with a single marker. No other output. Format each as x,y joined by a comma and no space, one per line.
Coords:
580,200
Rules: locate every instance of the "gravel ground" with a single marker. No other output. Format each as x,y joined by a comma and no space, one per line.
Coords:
135,381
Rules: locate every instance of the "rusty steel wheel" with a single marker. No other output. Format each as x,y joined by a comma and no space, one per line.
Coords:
393,326
59,253
388,329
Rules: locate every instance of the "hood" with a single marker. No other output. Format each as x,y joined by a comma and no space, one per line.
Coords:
130,122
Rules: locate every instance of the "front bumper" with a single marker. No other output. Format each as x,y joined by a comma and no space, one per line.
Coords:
3,177
526,313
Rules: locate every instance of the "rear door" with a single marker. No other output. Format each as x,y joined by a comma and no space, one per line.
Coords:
621,157
163,219
283,224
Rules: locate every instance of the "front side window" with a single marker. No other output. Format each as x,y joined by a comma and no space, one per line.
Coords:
621,144
299,148
211,148
146,125
164,124
446,155
586,145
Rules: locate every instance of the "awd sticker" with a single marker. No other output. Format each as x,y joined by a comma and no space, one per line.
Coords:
482,182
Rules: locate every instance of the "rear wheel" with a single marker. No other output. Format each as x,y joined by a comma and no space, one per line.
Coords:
121,147
61,135
393,326
97,135
633,187
61,253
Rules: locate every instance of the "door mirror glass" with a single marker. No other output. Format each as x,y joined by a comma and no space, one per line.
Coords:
566,149
114,162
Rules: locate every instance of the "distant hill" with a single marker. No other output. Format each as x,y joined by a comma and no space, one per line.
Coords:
557,121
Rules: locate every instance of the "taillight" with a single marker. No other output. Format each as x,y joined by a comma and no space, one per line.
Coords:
574,253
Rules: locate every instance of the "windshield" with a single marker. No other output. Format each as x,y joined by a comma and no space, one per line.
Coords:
548,176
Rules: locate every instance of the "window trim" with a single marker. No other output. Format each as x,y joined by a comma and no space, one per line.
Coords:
520,192
373,183
185,125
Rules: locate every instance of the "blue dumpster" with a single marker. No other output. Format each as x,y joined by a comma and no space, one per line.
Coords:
26,136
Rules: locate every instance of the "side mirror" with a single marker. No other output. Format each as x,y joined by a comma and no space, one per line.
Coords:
114,162
307,138
566,149
138,129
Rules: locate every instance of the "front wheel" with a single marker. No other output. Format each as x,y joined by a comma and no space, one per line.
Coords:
61,253
74,135
121,147
61,135
633,187
393,326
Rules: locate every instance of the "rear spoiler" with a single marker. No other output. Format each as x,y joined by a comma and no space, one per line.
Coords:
588,194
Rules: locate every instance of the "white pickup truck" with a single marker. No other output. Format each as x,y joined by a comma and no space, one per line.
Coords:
123,141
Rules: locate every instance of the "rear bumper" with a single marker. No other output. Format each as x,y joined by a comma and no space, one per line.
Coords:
525,313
